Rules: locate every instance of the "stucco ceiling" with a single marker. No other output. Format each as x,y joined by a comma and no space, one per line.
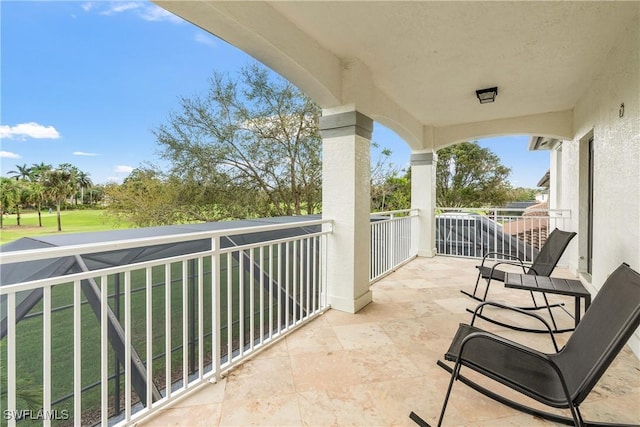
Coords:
426,58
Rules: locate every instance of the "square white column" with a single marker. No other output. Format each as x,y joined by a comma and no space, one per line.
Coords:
346,138
423,198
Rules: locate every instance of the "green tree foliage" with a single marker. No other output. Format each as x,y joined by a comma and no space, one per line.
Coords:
39,196
150,197
468,175
247,148
145,197
94,194
520,194
59,185
21,175
83,182
8,196
393,193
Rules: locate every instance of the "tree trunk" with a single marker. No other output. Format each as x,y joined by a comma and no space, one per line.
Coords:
39,206
59,218
18,214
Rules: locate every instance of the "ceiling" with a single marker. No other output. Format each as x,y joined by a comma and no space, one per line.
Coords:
415,65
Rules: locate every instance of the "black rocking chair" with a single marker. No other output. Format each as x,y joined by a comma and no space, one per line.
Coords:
543,265
562,379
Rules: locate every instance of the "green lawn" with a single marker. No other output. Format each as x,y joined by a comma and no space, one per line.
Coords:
73,221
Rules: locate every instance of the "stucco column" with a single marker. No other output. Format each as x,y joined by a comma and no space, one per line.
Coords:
423,198
346,136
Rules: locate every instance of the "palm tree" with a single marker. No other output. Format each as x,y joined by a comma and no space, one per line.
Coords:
22,172
59,185
83,181
38,172
39,169
73,172
36,197
22,197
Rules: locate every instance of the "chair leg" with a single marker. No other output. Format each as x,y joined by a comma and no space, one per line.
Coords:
475,289
535,303
486,291
553,319
577,416
454,377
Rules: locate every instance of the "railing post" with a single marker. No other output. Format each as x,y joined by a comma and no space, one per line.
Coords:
116,360
46,353
392,239
215,306
192,315
104,353
11,357
495,234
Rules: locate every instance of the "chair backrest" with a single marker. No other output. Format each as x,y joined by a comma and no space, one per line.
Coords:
604,330
551,252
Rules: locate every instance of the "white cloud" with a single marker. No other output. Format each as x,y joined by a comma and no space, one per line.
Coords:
156,13
82,153
28,130
9,155
118,7
144,11
123,169
209,40
87,6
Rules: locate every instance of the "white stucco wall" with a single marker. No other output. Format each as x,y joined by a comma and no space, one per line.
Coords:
616,221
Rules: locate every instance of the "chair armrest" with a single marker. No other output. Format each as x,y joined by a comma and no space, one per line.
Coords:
493,267
480,307
513,257
533,271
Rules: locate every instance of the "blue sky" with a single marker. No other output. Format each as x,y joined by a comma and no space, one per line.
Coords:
86,82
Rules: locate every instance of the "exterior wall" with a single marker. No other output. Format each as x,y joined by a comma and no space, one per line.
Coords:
616,213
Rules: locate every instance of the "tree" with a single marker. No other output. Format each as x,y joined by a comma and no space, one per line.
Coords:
73,173
83,182
471,176
394,193
38,171
22,172
149,197
144,198
94,194
8,196
520,194
21,175
59,186
258,137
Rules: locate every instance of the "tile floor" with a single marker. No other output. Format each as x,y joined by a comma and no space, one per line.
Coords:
375,367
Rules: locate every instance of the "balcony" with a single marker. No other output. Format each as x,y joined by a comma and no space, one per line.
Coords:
269,351
375,367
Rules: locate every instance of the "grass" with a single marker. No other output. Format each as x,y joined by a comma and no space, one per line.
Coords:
73,221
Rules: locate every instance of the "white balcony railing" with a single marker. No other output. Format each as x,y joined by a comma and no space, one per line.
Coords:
130,339
468,232
391,241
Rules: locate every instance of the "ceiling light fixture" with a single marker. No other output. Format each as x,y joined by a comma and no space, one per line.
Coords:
487,95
